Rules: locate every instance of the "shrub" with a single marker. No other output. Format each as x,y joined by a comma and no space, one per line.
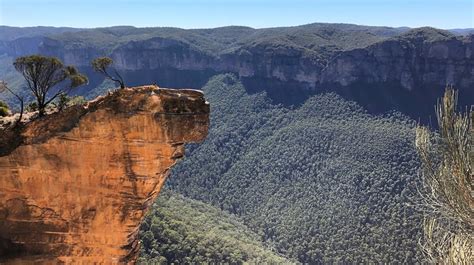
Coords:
4,111
77,100
63,101
3,104
32,107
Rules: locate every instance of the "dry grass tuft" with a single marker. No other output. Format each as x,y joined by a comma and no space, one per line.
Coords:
447,191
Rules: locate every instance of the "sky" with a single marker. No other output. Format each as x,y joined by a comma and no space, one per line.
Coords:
445,14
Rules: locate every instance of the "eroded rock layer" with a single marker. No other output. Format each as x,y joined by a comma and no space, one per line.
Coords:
74,186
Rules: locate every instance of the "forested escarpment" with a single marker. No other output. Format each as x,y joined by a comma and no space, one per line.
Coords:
180,230
324,182
381,68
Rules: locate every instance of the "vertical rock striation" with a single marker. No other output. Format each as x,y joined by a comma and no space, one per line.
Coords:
74,186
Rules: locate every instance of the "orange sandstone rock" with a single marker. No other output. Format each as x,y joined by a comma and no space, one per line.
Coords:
74,186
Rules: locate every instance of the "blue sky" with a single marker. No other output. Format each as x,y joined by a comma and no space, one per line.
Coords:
254,13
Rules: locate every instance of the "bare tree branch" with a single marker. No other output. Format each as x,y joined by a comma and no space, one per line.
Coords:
4,87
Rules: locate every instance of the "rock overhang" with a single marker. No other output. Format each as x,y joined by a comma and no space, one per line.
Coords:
76,185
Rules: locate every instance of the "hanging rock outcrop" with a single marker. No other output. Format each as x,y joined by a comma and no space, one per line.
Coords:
75,185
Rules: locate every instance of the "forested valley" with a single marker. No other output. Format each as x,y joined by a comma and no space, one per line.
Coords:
323,182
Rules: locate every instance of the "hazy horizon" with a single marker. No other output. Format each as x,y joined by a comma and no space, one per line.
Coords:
187,14
276,26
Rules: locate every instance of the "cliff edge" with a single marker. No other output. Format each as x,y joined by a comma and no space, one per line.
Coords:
75,185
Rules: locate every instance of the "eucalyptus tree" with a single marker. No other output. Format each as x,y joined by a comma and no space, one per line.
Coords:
102,64
47,78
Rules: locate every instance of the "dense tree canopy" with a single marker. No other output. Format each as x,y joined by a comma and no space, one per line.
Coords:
183,231
323,182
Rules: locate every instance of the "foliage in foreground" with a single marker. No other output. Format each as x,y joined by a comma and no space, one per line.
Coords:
183,231
448,186
324,182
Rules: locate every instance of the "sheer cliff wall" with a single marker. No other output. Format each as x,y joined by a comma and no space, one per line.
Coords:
74,186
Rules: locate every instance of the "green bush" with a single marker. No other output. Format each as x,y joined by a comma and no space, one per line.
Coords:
77,100
65,101
3,104
33,106
4,110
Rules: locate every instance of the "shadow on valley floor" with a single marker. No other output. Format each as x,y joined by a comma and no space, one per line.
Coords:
418,104
378,98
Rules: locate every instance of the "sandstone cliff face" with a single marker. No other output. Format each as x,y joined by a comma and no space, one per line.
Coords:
421,57
76,186
381,68
411,62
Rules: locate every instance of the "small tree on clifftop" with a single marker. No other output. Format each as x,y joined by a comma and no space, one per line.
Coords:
101,64
46,77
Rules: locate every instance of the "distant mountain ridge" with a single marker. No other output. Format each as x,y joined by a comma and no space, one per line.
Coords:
13,32
382,68
216,41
